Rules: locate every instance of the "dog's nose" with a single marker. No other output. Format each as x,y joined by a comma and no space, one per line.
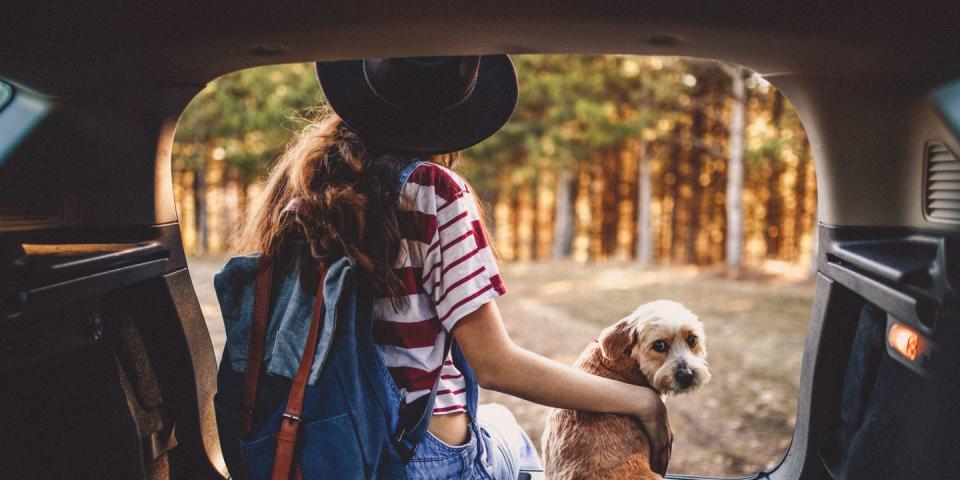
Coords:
684,377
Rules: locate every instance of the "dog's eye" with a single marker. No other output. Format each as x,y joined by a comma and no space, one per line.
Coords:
692,341
660,346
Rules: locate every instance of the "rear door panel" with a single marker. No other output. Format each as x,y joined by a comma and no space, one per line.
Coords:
106,365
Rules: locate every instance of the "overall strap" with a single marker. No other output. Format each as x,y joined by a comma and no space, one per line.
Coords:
415,422
290,423
258,338
405,173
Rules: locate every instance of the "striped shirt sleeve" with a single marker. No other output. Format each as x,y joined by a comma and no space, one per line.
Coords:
460,271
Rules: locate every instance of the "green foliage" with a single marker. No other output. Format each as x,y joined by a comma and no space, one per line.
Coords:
572,108
573,111
245,117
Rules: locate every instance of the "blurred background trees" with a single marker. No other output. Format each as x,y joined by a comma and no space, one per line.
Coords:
646,159
619,162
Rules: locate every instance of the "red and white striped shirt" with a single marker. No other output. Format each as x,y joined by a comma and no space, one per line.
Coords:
449,271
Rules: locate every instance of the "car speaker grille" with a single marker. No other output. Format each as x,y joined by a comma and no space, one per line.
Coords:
942,184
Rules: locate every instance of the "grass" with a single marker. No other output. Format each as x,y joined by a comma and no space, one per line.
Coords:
739,423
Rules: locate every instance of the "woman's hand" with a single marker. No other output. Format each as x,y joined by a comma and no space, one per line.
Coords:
652,414
503,366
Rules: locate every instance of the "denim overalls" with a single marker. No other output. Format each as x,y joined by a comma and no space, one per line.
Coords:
353,426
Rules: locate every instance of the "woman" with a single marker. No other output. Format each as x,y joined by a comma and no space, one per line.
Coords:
371,180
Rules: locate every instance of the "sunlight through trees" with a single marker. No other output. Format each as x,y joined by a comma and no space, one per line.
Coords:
647,159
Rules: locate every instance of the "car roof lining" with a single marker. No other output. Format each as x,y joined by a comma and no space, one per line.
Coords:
99,47
859,77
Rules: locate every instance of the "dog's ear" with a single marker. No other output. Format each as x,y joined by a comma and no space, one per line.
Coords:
617,338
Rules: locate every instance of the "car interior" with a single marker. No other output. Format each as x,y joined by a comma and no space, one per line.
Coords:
106,364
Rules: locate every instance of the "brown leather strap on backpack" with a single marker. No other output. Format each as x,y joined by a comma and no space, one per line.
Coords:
290,423
258,338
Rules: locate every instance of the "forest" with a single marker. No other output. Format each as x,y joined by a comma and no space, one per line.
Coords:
618,180
655,160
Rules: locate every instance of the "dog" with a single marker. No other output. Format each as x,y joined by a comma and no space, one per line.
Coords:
660,345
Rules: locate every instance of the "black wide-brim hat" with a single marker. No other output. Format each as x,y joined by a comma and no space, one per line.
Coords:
484,108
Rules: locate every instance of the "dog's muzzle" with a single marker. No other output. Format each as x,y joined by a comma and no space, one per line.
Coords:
684,376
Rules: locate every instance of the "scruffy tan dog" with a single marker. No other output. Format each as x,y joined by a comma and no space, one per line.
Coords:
660,345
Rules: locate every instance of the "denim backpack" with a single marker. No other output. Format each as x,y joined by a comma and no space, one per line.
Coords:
325,406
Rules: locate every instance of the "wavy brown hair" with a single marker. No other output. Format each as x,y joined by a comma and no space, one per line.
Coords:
346,190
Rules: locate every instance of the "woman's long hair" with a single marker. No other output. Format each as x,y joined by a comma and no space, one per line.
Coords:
346,191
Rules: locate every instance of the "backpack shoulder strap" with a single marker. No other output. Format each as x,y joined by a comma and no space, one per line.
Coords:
290,422
258,338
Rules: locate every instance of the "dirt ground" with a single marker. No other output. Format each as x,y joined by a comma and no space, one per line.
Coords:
739,423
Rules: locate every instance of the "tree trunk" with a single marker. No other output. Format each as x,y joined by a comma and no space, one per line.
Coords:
799,212
534,187
228,217
584,193
716,200
609,204
698,129
675,175
774,215
517,222
644,252
734,191
595,200
565,216
661,192
200,206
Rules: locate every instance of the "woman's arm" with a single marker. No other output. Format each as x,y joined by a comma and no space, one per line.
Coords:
503,366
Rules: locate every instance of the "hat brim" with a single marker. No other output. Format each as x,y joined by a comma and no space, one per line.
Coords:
481,114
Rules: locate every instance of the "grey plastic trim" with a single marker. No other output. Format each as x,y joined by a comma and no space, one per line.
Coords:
941,183
6,94
18,119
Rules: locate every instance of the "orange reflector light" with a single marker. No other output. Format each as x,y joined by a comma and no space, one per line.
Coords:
904,340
